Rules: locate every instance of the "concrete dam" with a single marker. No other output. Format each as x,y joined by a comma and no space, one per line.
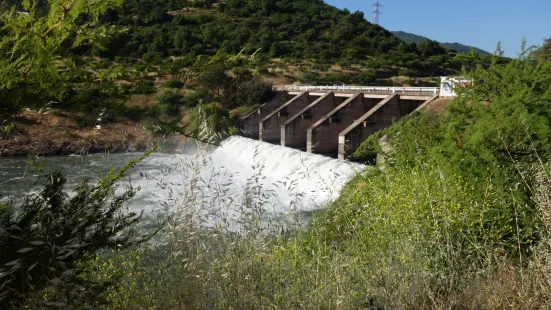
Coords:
332,120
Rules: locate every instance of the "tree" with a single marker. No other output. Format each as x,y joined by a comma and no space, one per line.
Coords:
36,43
545,50
430,48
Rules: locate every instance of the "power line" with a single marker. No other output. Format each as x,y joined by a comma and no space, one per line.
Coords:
377,12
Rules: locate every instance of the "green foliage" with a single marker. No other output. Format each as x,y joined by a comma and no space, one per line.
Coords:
144,87
193,99
170,103
207,120
95,103
36,40
413,238
504,115
42,240
545,51
233,86
305,29
177,84
496,129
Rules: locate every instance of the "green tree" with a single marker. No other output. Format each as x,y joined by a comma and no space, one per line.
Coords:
430,48
36,43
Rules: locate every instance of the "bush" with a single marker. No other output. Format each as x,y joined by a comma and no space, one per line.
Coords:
174,84
43,239
193,99
207,120
170,103
408,72
404,238
144,87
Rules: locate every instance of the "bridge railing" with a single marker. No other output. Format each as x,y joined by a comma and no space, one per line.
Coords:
419,91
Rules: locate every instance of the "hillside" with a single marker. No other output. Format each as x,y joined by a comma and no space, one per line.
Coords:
298,31
417,39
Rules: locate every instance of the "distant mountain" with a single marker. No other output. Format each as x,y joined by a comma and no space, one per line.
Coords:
410,37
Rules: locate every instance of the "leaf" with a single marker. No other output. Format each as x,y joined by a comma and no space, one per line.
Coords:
13,262
32,266
66,255
56,281
25,250
37,242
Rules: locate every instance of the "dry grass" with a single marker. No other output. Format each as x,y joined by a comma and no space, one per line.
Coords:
142,100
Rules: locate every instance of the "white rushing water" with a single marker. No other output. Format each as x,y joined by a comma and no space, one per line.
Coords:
219,184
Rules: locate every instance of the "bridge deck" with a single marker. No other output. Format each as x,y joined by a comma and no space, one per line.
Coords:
372,90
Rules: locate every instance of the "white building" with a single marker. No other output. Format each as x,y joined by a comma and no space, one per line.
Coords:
448,85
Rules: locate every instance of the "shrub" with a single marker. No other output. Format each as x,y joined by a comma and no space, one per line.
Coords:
170,103
174,84
408,72
144,87
42,240
207,120
193,99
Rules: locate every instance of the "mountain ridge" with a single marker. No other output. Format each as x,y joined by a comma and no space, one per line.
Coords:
460,48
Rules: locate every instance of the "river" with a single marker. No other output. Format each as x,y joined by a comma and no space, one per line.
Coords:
219,184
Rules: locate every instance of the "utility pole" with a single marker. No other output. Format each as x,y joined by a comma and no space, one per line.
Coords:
377,11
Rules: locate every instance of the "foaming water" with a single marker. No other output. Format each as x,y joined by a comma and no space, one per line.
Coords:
218,185
287,171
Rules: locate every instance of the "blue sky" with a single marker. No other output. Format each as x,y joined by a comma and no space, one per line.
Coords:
480,23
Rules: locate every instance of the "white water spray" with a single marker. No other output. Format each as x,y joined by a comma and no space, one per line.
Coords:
220,184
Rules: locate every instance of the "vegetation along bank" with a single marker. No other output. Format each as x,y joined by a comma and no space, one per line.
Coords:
459,218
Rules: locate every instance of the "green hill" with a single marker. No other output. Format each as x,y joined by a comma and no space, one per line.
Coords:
413,38
300,30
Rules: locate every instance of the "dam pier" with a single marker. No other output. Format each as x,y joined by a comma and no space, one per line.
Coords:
333,120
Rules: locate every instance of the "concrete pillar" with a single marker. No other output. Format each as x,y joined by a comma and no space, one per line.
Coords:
270,126
379,117
249,125
293,131
323,135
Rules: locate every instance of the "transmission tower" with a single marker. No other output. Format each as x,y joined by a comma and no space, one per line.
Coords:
377,5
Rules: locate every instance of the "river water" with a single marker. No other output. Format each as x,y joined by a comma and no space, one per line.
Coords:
219,184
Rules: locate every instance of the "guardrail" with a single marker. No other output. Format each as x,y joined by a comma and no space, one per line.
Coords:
367,89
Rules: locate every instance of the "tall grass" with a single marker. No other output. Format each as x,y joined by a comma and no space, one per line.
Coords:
414,238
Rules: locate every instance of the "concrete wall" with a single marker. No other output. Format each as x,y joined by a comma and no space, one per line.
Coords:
408,106
381,116
293,131
323,136
249,125
270,126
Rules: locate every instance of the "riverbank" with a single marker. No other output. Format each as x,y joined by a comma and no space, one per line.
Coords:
47,134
